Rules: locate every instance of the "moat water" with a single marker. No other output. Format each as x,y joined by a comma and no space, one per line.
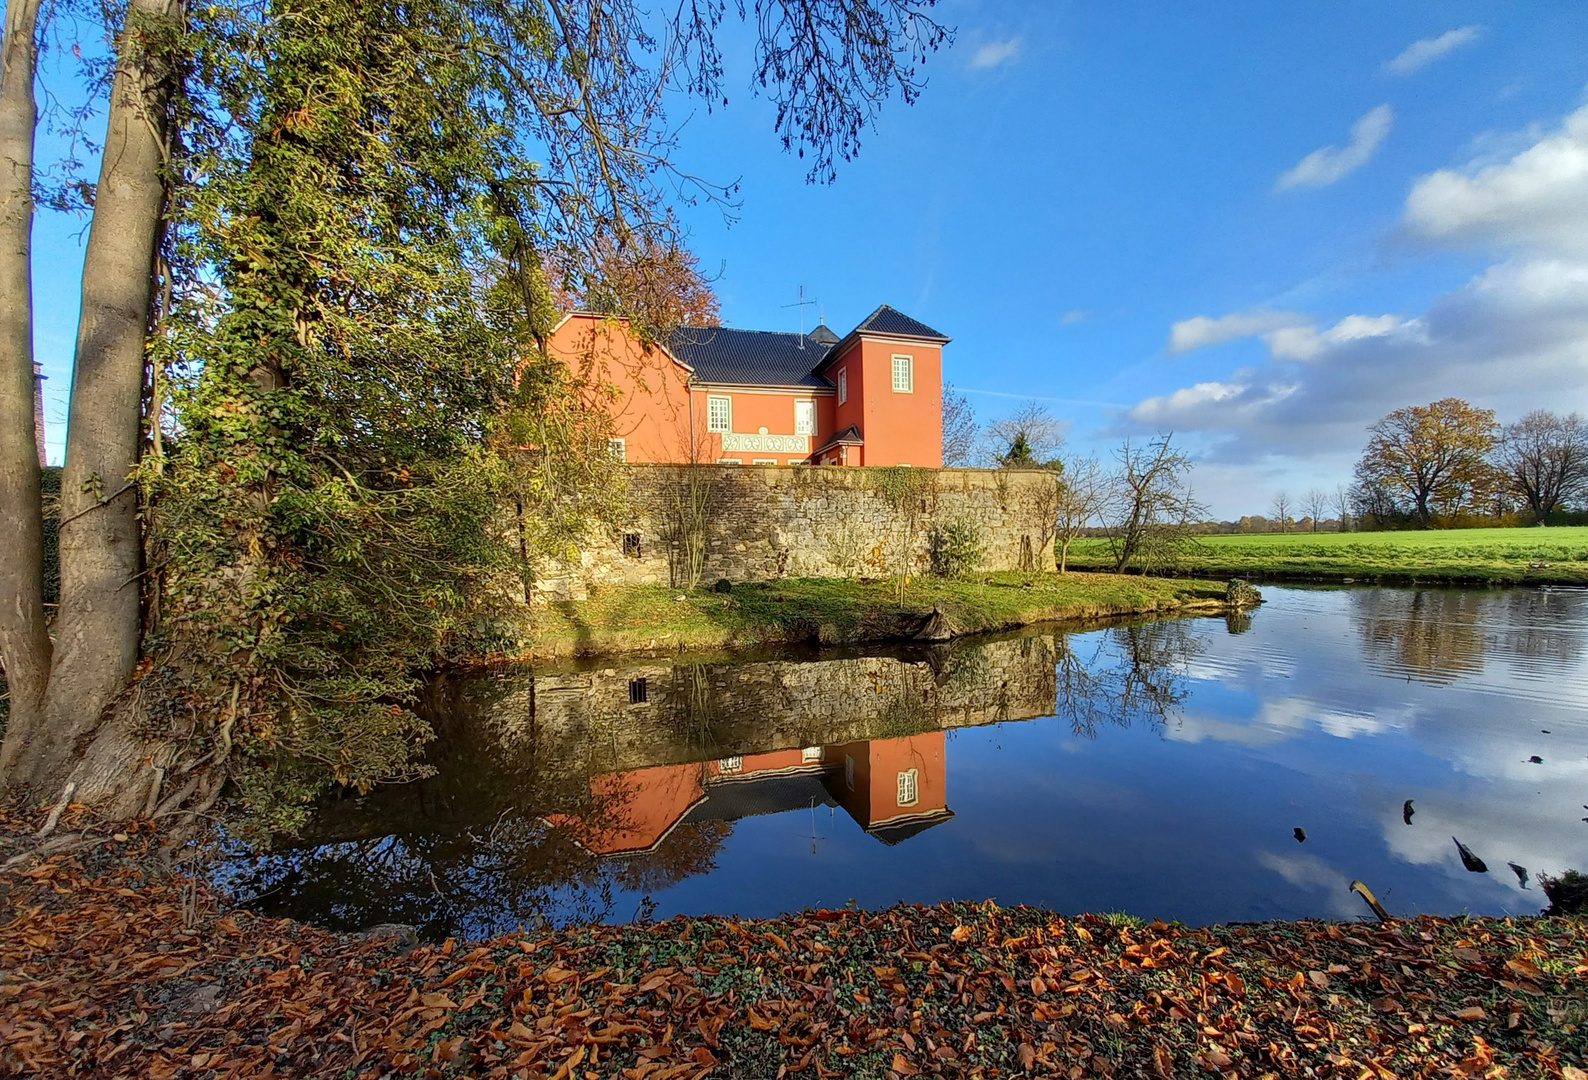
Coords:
1156,768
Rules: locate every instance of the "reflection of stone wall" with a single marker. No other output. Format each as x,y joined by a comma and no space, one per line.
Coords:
694,712
767,522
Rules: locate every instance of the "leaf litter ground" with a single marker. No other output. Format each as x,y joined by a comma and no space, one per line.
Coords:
110,967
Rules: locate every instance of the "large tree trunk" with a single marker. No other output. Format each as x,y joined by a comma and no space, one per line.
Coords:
98,625
24,638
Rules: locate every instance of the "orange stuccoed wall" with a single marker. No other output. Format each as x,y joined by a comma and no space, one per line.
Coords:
651,410
663,419
874,767
898,428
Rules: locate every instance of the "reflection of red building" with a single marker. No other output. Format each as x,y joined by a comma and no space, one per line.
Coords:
634,811
894,788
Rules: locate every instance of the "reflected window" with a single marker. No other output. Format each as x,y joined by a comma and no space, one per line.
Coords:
909,787
849,772
730,764
639,692
810,754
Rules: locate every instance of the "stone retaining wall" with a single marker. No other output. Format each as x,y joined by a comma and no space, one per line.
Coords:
764,522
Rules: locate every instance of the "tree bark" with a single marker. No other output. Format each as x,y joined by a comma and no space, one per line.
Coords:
24,637
97,627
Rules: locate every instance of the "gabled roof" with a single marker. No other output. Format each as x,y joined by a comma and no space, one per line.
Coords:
850,436
726,356
895,323
886,322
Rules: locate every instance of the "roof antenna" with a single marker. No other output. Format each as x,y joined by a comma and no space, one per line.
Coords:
802,304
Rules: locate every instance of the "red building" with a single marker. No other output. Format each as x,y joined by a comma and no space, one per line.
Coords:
715,394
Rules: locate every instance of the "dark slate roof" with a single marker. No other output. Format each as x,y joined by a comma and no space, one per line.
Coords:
850,435
892,834
888,320
738,799
726,356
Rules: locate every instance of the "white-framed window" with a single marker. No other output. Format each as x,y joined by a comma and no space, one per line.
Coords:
719,413
909,787
763,461
805,418
843,385
619,448
849,772
903,374
810,754
731,764
730,461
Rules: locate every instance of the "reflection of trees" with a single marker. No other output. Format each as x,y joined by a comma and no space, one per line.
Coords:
472,883
1539,625
1434,635
1124,675
469,851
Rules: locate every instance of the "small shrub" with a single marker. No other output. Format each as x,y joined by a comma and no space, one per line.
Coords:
956,548
723,585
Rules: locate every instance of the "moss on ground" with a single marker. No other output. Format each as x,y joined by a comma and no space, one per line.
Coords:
831,610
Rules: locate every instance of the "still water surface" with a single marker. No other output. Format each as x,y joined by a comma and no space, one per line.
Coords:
1156,768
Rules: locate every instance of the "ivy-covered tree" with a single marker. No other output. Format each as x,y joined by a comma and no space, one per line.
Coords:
310,373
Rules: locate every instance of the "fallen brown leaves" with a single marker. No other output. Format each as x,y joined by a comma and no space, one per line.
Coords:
100,977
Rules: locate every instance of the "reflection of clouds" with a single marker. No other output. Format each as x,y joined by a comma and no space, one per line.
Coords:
1469,678
1284,718
1313,874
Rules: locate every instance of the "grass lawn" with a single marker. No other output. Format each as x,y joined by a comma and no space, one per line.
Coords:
1499,556
115,967
830,610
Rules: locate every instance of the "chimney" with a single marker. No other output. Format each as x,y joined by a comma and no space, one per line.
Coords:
38,411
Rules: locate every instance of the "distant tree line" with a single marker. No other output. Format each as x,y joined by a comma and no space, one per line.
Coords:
1448,464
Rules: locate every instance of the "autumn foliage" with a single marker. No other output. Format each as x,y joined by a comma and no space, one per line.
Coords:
109,968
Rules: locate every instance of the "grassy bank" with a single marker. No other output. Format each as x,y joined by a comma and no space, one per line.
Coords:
1557,555
833,611
109,968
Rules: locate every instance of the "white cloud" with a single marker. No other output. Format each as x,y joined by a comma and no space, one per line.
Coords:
1425,51
1289,335
1514,337
1199,331
1306,343
1075,315
994,53
1537,199
1331,163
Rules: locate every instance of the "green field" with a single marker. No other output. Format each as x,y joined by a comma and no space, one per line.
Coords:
1557,555
832,611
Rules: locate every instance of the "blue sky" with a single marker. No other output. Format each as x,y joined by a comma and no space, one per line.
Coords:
1259,225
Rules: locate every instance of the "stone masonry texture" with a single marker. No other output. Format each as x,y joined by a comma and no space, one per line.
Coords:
766,522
